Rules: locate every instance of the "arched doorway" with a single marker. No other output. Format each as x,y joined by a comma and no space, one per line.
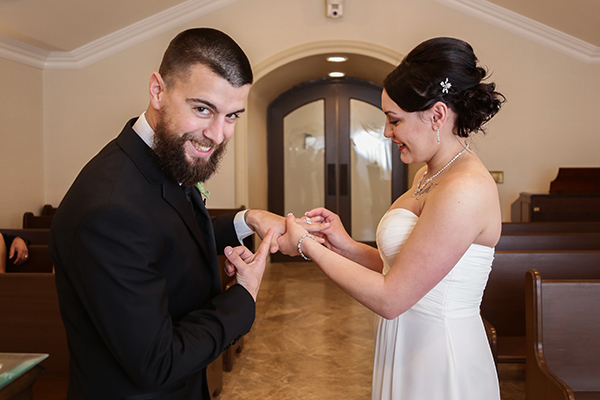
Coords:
326,149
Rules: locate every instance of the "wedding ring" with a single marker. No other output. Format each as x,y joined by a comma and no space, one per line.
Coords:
308,221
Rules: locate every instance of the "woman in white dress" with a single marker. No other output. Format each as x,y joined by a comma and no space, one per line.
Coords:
435,243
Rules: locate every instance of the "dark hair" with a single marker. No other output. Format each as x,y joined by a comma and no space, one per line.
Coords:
209,47
416,84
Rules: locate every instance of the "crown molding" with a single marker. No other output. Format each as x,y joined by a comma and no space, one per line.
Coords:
110,44
23,53
528,28
178,15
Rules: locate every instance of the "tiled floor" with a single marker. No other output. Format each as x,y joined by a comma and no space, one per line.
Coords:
311,341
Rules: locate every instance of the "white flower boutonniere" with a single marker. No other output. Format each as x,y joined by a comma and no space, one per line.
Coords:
200,186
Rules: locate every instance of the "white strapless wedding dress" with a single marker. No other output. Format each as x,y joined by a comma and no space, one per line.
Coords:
437,350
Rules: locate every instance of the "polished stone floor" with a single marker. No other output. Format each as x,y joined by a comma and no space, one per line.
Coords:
311,341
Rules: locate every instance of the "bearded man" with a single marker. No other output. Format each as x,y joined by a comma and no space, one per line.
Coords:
134,249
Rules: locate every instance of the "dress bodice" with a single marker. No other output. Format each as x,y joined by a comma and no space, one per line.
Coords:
460,291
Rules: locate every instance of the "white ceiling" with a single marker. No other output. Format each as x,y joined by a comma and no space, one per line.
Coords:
65,27
577,18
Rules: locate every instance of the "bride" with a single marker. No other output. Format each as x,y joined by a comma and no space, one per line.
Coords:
435,245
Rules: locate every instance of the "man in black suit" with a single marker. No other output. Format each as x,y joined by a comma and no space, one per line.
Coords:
134,249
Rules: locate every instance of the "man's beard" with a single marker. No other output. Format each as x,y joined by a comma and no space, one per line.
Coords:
170,152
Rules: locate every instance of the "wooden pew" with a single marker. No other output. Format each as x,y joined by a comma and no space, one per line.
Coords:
563,349
31,323
48,209
503,303
31,221
35,236
39,260
549,227
549,241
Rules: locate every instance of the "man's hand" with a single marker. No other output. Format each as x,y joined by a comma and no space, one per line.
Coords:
260,221
247,267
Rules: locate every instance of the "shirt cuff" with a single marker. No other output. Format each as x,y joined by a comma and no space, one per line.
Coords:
241,228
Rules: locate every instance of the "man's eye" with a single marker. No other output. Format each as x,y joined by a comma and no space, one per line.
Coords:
202,110
233,116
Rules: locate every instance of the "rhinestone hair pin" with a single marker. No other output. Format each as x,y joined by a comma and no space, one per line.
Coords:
445,85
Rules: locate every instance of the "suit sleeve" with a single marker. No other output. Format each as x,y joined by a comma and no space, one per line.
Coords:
115,252
225,234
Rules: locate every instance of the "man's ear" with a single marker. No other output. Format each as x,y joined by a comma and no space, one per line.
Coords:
157,90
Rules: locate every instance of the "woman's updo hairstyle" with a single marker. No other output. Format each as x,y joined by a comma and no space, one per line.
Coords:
420,81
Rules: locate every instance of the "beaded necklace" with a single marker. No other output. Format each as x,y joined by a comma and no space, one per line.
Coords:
420,188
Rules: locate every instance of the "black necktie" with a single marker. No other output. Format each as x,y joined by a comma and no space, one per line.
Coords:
188,192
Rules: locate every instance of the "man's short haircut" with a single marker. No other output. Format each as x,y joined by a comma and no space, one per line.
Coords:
209,47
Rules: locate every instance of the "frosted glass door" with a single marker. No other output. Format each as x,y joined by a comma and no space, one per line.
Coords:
371,169
304,158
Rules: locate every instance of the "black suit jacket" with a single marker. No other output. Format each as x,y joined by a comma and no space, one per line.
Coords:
138,281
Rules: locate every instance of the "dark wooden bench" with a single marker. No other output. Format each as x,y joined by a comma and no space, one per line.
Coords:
549,227
48,209
35,236
563,331
503,303
31,221
31,323
549,241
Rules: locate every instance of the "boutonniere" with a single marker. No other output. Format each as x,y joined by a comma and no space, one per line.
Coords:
203,191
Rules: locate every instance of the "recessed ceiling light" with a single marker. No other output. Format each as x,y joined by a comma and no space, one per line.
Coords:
337,59
337,74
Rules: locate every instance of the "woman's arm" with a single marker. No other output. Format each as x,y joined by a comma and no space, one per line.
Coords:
2,254
449,223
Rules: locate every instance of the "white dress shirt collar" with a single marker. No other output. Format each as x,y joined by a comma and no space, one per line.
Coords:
143,129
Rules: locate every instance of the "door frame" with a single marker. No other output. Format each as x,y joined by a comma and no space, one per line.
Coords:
337,151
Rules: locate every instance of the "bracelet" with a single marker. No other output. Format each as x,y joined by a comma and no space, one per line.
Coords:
300,245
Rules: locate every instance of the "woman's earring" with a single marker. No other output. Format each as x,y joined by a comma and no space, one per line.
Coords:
438,134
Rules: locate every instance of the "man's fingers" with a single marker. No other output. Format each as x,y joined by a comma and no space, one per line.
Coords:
229,268
265,246
233,255
244,253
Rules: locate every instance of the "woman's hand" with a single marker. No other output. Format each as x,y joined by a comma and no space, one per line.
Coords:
19,251
334,234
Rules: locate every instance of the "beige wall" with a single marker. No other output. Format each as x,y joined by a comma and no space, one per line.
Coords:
547,122
21,142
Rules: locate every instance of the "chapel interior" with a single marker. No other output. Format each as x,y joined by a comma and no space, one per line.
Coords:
73,73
